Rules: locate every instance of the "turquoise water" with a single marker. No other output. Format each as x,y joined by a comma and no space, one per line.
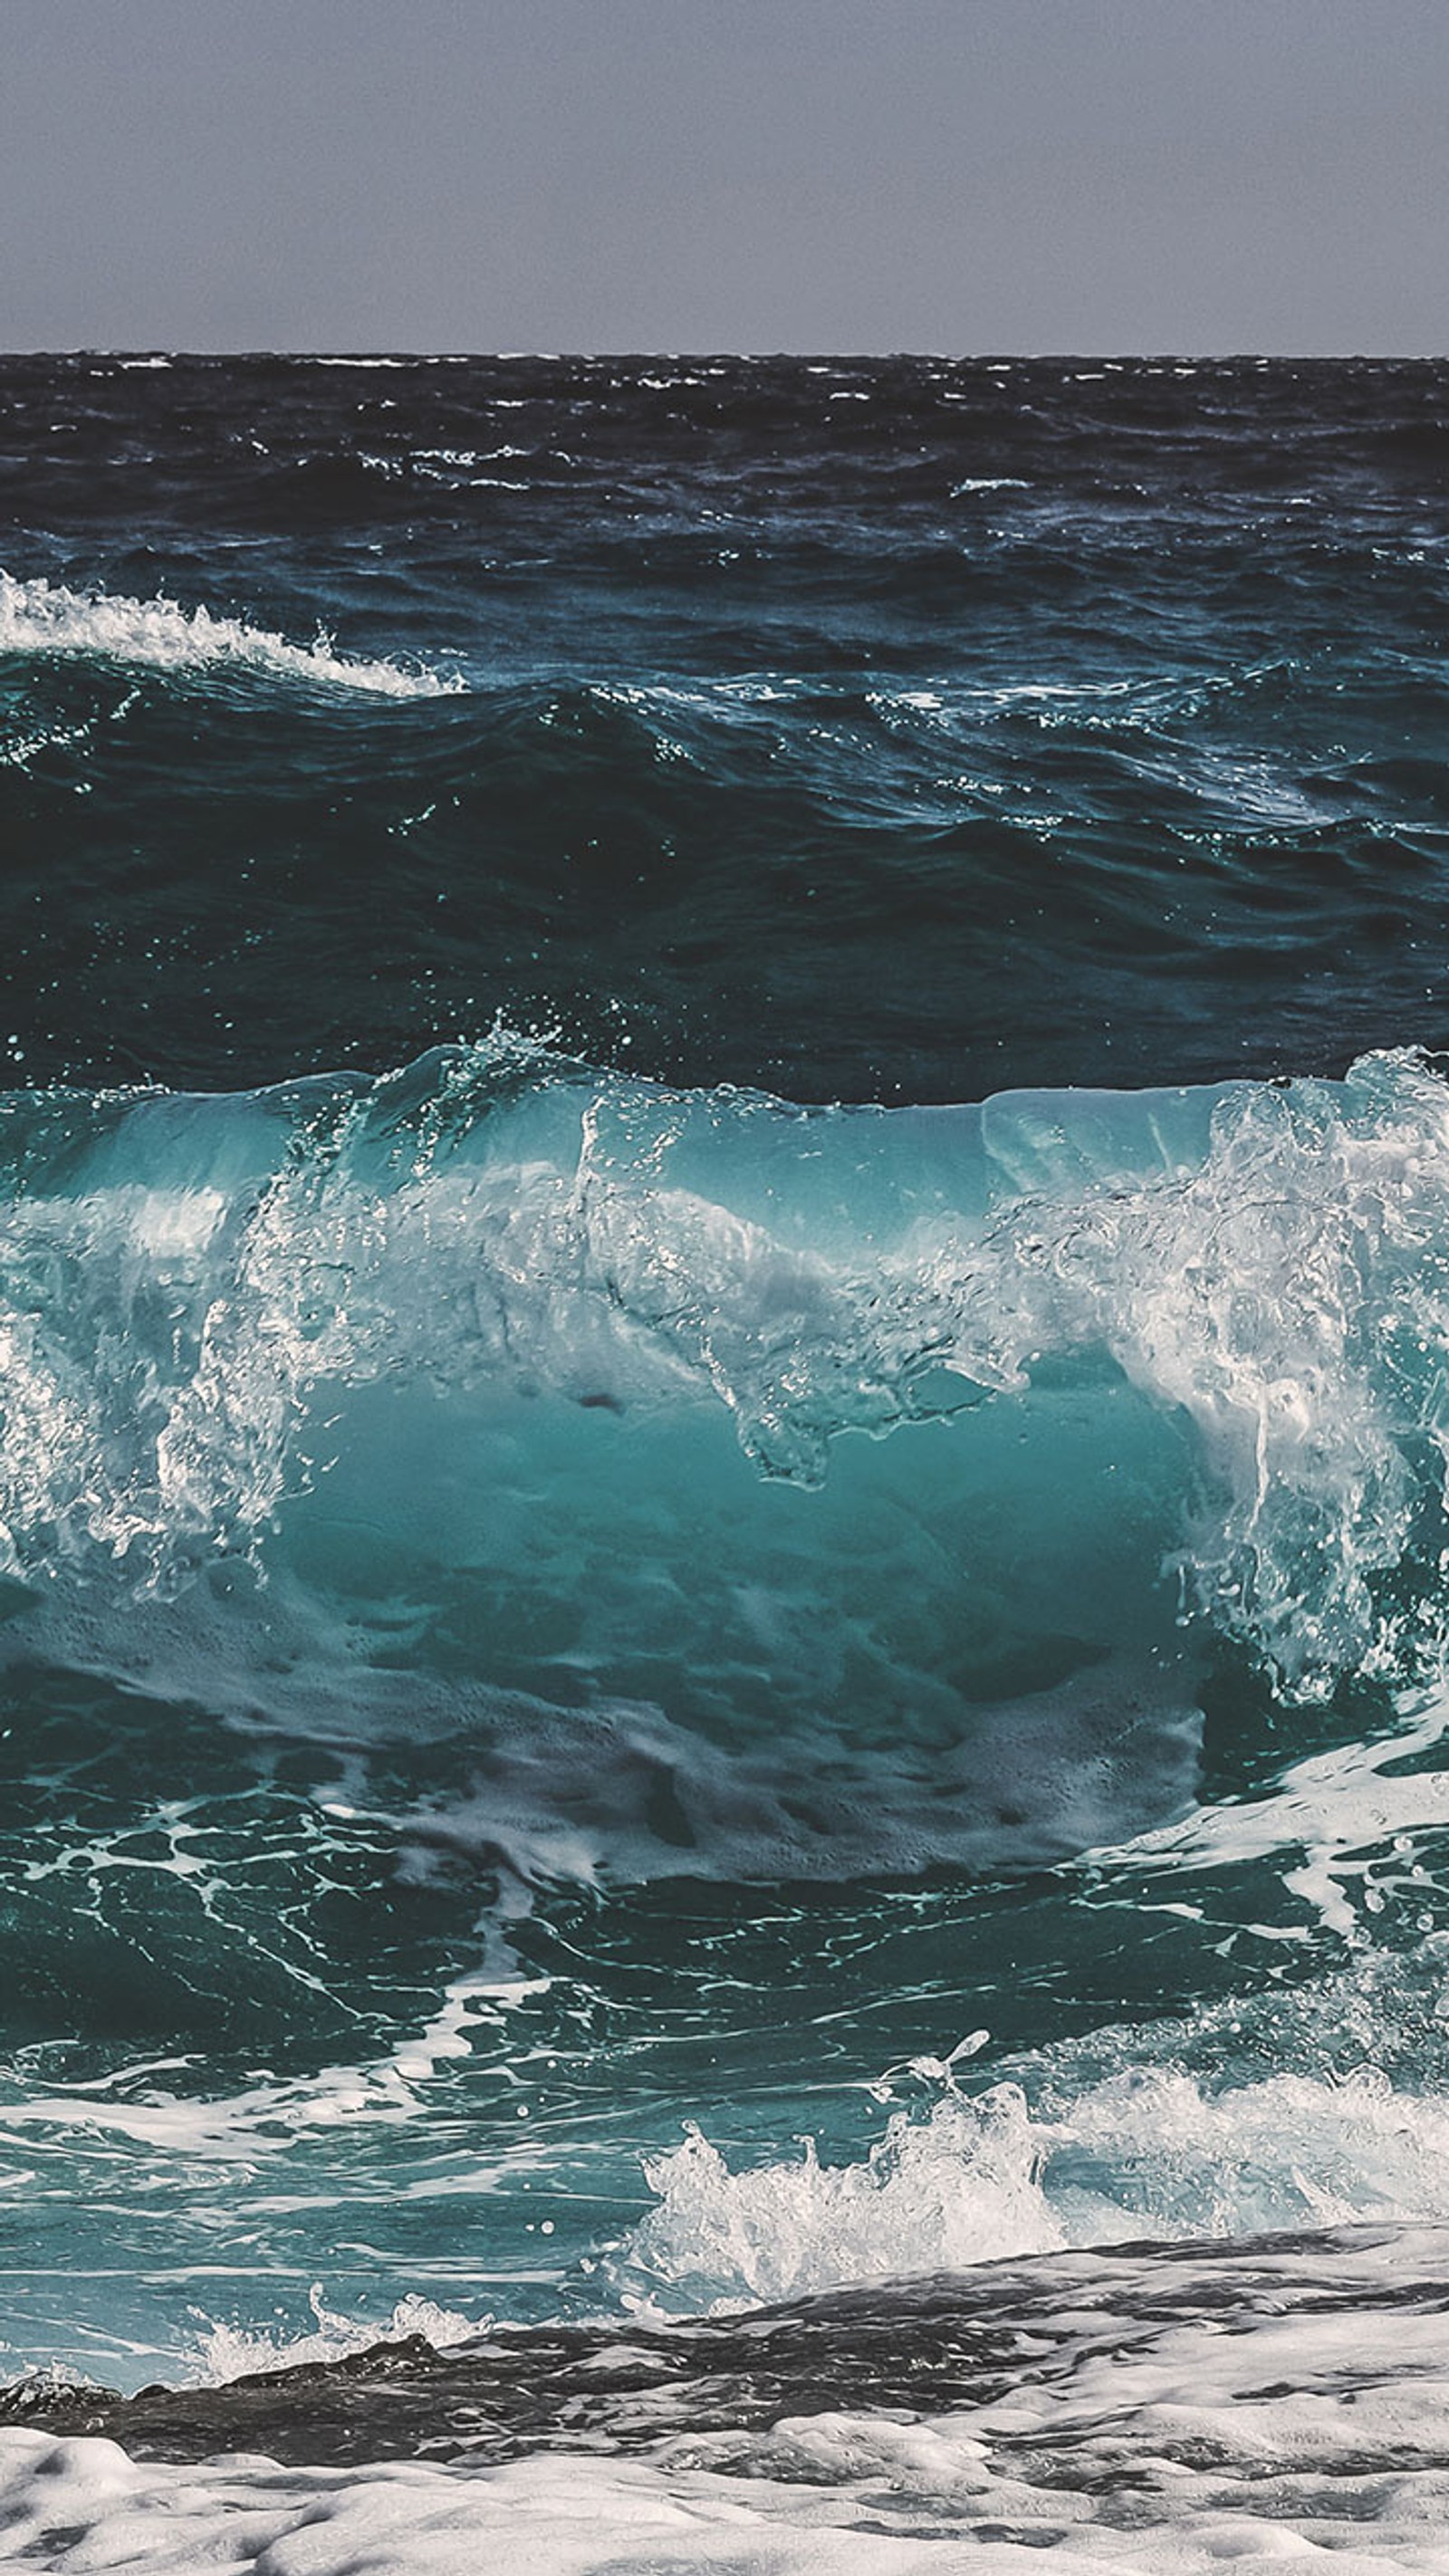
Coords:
644,1662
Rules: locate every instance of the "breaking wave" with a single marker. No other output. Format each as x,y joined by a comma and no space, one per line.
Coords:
1152,2153
1245,1288
506,1403
39,618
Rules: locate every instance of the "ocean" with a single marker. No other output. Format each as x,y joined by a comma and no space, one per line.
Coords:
724,1465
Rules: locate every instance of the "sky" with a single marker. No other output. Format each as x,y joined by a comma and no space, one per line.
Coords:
958,176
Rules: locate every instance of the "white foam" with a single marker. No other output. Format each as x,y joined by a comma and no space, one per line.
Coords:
1357,1814
264,2120
1152,2152
227,2352
948,2192
1270,2425
38,617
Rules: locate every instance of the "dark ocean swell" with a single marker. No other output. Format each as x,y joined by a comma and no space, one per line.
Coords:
903,732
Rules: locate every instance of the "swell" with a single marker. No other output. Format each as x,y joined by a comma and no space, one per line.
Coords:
208,430
1112,688
1117,882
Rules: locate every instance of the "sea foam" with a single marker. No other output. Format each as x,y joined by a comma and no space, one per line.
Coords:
1153,2152
1162,2411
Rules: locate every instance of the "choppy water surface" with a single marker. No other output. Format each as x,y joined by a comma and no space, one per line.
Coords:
648,1668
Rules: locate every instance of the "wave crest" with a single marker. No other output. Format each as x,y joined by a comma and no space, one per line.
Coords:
41,618
196,1296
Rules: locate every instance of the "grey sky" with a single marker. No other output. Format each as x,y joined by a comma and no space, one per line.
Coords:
955,175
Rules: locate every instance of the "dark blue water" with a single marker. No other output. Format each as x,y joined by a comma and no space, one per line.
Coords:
602,1575
893,731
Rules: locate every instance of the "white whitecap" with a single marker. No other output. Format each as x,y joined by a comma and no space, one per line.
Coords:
41,617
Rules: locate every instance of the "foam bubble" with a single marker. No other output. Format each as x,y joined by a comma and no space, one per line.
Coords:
958,2189
1132,2411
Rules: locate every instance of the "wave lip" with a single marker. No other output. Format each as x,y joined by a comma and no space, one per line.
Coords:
40,617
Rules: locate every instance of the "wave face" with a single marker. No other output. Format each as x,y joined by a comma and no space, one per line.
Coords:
648,1666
